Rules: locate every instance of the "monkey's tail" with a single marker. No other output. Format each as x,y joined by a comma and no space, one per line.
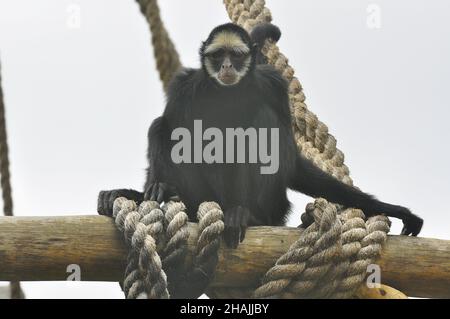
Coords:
265,31
259,35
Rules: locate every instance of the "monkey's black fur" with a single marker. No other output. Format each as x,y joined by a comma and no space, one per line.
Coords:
260,34
248,198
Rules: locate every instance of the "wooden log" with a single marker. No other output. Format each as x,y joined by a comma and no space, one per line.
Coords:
41,249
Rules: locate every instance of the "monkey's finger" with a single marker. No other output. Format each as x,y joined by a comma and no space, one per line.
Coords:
160,197
154,192
148,193
106,202
405,231
418,227
243,231
236,237
228,218
100,207
231,236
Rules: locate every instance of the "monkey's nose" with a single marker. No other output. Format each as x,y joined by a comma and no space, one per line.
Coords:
226,66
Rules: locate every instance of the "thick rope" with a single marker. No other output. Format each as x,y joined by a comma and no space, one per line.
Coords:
142,228
150,233
167,59
313,139
328,260
210,228
5,180
175,252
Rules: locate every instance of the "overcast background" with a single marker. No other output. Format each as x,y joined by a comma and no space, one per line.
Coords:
79,100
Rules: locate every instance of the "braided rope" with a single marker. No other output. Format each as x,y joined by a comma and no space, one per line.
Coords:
167,59
5,180
177,235
211,227
313,139
330,258
151,232
142,228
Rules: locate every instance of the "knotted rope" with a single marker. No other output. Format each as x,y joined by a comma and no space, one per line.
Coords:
330,258
15,290
151,232
142,228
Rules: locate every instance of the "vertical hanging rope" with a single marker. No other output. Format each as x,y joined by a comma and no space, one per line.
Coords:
312,136
16,292
167,59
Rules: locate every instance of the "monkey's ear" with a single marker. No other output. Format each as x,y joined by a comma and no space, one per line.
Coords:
202,48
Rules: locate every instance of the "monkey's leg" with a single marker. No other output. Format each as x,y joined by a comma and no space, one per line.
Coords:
312,181
106,199
231,187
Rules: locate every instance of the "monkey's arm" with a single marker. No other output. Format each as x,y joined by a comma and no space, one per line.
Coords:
161,173
312,181
158,183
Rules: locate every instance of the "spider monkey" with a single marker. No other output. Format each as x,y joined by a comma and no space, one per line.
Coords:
235,88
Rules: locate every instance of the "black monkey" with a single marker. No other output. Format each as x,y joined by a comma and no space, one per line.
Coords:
231,90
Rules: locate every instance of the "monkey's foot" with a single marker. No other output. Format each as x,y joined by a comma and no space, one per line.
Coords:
160,192
106,199
412,224
236,222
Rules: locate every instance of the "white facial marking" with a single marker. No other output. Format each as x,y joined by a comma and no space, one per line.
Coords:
227,40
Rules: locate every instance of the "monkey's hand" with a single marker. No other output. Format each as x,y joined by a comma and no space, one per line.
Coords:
412,224
236,222
160,192
105,202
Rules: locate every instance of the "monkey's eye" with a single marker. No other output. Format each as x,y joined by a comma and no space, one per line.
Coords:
237,55
216,55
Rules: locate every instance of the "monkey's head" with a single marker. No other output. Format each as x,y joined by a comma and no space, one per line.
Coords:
228,55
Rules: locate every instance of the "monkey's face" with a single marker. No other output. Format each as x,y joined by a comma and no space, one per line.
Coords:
227,57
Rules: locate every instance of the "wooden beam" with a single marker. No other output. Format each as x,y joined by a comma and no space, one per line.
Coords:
41,248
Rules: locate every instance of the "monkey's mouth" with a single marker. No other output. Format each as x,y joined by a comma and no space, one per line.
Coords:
227,78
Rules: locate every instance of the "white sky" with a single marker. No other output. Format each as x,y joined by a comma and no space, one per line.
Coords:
79,101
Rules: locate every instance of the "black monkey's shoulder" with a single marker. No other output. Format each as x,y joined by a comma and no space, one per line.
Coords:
273,89
270,80
182,82
181,89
